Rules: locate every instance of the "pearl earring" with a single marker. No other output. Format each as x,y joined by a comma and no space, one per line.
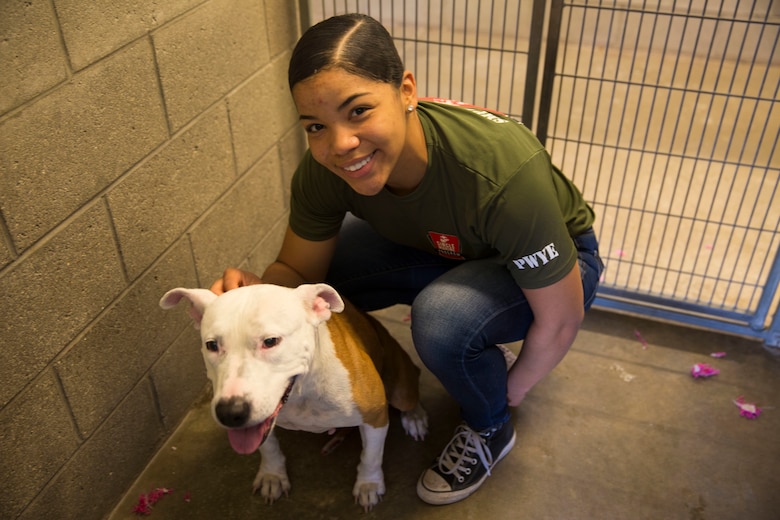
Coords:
410,108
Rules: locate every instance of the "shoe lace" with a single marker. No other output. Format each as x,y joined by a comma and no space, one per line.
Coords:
458,456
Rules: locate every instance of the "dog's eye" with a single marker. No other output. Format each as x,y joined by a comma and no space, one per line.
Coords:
212,346
271,342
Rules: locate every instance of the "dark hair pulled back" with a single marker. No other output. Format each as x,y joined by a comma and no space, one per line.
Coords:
355,43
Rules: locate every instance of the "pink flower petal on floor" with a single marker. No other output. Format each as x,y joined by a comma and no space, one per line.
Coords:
142,507
146,501
718,354
703,370
747,410
641,339
620,253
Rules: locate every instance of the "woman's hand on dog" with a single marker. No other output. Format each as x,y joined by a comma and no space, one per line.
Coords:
234,278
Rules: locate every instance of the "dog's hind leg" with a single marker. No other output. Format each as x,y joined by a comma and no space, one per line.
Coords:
370,483
401,378
415,422
271,479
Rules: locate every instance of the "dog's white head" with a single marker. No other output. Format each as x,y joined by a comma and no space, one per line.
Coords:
256,340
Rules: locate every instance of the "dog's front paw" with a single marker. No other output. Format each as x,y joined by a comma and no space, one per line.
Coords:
271,486
368,494
415,422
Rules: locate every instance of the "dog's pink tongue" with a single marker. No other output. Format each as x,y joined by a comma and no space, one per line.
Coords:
247,440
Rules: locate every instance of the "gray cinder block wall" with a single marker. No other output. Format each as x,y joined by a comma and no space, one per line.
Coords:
143,145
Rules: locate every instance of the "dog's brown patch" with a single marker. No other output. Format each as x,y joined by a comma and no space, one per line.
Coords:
362,342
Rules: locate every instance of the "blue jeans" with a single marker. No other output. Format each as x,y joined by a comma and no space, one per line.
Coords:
460,310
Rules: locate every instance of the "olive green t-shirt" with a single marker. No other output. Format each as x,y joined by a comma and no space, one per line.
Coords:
490,191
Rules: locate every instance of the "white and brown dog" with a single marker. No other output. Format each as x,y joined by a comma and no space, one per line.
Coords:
276,355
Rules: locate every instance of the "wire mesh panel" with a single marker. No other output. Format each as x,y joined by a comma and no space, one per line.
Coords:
468,50
666,114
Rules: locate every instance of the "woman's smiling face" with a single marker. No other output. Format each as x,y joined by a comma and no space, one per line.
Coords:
358,128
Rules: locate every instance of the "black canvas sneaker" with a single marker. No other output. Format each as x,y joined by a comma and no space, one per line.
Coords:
465,463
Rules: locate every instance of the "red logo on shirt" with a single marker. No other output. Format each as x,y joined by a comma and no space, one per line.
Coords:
447,245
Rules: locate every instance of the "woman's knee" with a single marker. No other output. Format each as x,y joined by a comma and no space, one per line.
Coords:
436,323
476,304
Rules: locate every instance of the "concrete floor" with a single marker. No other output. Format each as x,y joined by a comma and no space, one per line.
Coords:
617,431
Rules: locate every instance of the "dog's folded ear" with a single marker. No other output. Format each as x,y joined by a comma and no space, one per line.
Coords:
321,299
198,298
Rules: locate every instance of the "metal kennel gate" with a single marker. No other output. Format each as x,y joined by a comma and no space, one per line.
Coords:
665,113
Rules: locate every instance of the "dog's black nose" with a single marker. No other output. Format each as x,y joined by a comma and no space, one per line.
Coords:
233,412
